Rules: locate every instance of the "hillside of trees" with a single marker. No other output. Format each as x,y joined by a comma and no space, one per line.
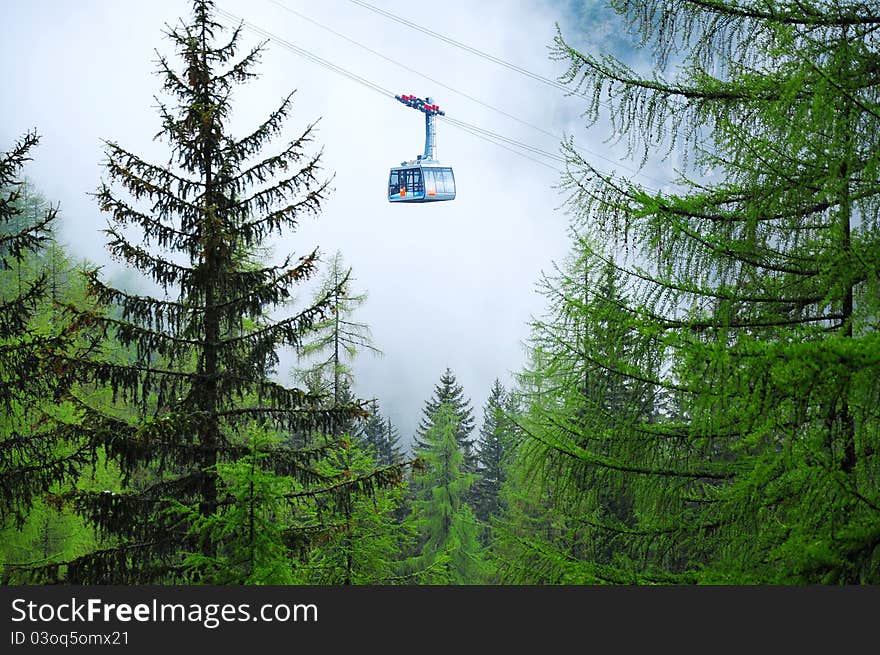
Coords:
701,402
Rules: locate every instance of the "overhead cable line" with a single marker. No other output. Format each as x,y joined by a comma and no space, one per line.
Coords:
463,46
414,71
501,145
499,137
466,95
305,53
487,135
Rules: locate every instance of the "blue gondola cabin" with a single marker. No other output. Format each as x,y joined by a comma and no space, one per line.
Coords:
421,183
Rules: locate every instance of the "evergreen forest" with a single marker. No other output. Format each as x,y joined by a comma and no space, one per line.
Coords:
700,403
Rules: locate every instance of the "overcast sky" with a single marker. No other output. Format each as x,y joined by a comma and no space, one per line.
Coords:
449,284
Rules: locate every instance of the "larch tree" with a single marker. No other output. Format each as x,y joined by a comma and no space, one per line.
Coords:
362,541
586,440
755,284
327,353
32,457
253,528
359,530
335,341
197,374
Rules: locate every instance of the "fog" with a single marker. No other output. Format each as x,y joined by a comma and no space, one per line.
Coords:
449,284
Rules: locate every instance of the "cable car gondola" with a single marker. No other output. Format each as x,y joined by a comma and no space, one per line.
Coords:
423,179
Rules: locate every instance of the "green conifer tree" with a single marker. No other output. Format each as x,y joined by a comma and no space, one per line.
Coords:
201,355
382,437
448,391
248,543
334,342
449,549
32,457
587,440
493,447
755,285
363,542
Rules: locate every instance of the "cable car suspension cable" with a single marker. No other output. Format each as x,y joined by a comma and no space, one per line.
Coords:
409,69
305,53
470,49
537,151
492,136
474,130
501,145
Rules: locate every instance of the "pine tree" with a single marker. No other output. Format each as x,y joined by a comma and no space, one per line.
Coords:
196,365
448,391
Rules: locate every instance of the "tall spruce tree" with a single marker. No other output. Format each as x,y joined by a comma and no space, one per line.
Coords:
449,392
493,447
201,355
755,284
449,549
382,437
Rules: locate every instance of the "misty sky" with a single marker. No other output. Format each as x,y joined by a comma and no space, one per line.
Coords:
449,284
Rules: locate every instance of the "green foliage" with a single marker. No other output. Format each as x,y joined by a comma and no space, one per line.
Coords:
188,373
449,392
28,464
362,542
36,462
449,534
497,438
381,437
724,428
243,542
702,398
587,460
334,342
